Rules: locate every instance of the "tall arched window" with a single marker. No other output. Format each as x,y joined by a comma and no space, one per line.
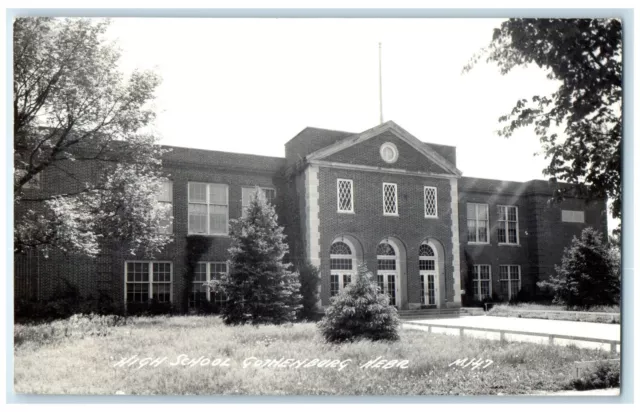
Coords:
387,270
428,275
342,266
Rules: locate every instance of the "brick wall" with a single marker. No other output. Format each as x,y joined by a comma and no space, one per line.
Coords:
370,226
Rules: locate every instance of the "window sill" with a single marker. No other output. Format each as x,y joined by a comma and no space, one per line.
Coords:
479,243
391,214
346,212
431,217
509,244
205,235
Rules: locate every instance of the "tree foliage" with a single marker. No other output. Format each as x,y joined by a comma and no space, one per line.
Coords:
309,281
589,274
585,57
259,287
77,119
360,311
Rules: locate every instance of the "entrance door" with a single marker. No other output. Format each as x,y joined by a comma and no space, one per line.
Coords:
428,276
387,284
429,288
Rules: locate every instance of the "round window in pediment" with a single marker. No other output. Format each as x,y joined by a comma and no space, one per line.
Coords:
389,152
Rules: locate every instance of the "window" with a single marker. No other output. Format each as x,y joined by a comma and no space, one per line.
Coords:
481,281
148,280
510,280
386,257
341,266
478,222
166,198
247,192
389,152
345,196
430,202
427,267
390,199
204,273
208,209
386,275
508,225
573,216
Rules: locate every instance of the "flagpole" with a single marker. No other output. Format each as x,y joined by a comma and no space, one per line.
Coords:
380,78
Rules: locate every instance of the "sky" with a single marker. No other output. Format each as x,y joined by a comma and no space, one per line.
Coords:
250,85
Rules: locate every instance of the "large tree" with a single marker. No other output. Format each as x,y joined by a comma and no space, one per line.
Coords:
79,121
589,274
259,287
585,57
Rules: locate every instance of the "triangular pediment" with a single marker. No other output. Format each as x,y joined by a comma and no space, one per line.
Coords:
364,149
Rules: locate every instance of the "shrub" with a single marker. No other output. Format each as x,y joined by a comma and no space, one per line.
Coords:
588,275
360,311
603,375
65,301
309,280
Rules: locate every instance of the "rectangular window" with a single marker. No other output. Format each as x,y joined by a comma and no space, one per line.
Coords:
478,222
573,216
247,192
334,286
508,225
481,281
206,272
430,202
386,264
165,197
208,208
390,199
345,196
341,264
145,280
510,280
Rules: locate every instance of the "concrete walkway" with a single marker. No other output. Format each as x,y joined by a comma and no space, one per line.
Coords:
506,324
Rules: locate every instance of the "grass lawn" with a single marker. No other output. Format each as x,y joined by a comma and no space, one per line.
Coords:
538,311
77,356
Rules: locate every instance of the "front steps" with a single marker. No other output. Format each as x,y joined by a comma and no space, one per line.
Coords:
442,313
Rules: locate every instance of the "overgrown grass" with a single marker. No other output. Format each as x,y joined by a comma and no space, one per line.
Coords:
539,311
49,360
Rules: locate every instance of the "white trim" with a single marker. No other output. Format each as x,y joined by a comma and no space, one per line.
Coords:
348,166
207,202
384,213
479,280
571,216
455,240
313,214
398,132
150,262
353,209
393,148
435,198
508,280
506,234
426,273
488,224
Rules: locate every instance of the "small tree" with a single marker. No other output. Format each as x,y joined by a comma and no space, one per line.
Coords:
309,280
360,311
260,288
588,275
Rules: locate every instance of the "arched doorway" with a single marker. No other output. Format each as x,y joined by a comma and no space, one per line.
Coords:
342,264
429,282
389,270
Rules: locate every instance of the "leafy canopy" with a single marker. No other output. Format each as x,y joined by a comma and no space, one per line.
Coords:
585,56
77,124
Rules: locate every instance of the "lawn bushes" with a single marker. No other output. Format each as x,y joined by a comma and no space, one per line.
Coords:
603,375
360,311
